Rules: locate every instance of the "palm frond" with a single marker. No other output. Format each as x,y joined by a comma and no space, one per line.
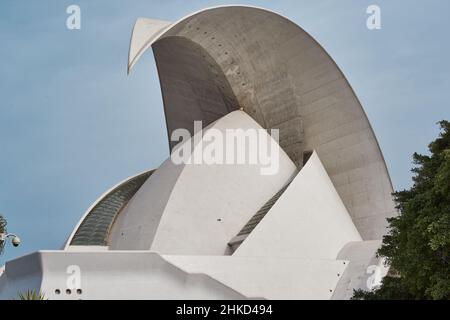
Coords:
31,295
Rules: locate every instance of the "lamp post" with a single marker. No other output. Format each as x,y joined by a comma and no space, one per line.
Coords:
15,239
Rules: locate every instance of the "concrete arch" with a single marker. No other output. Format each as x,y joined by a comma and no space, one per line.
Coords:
283,79
187,76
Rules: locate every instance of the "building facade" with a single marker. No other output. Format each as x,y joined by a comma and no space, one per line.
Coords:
310,230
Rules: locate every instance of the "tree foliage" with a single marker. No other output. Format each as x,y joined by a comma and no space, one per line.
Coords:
417,246
2,230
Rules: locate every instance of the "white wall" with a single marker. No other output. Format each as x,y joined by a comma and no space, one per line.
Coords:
269,277
308,221
108,275
198,209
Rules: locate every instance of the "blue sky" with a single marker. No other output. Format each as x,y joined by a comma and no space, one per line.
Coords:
72,123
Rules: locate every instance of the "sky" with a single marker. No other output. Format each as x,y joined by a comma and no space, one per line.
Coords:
73,124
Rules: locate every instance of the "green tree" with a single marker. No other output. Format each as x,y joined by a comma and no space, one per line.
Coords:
2,230
417,246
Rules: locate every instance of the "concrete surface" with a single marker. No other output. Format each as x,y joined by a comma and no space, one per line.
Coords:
308,221
238,67
197,208
270,67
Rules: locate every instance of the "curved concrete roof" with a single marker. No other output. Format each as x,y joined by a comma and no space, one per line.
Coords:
236,57
197,208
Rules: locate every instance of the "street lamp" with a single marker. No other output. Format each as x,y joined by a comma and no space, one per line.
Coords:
15,239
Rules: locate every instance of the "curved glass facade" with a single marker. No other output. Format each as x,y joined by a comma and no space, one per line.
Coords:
95,228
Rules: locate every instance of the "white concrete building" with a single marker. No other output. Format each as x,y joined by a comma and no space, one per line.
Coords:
221,231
